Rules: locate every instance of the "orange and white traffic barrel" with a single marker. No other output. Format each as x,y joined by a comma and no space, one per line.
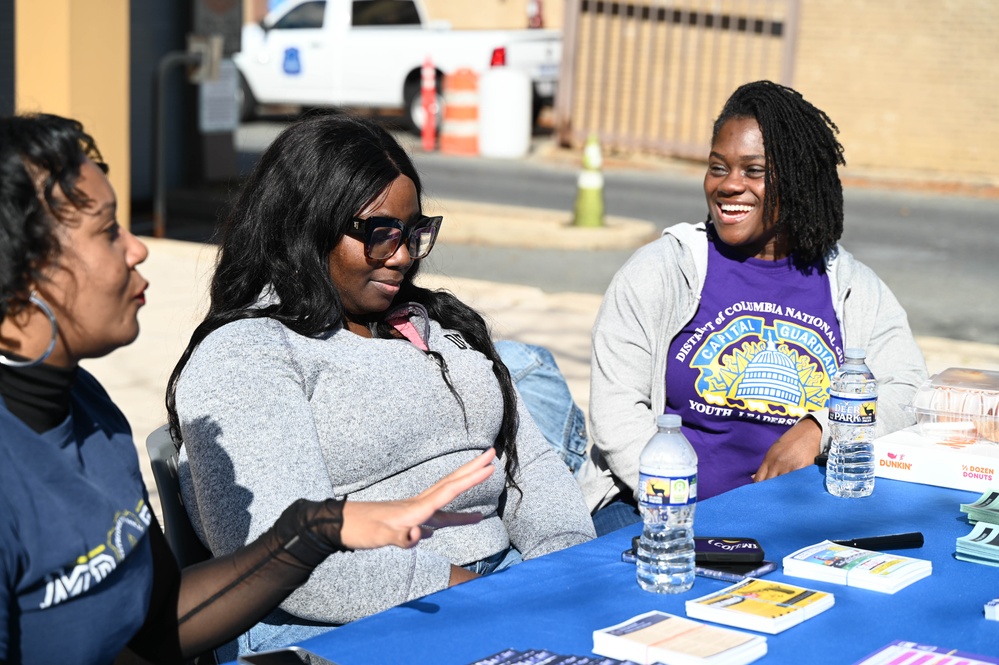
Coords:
460,126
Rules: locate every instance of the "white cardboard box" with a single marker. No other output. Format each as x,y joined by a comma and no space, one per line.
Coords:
908,455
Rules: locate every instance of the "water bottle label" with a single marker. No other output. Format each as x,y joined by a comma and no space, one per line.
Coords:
858,410
661,491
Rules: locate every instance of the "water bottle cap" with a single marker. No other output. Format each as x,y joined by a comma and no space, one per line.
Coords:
854,353
668,420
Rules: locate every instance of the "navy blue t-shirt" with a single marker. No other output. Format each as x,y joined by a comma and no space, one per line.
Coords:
75,562
757,356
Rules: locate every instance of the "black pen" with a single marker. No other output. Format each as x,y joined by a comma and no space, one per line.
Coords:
895,541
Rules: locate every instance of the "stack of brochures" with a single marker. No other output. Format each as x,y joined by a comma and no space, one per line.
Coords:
852,566
768,607
657,637
982,544
911,653
985,509
545,657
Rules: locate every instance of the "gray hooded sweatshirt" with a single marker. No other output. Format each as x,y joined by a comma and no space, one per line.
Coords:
657,292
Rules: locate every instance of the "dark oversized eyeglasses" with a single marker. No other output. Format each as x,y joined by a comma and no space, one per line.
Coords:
383,235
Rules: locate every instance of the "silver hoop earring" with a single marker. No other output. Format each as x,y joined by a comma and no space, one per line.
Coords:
40,304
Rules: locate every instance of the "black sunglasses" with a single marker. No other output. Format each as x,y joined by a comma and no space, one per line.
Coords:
383,235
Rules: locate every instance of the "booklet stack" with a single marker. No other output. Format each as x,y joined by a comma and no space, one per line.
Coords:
982,544
545,657
900,652
852,566
768,607
657,637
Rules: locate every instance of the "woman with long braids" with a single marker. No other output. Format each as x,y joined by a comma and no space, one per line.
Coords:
321,369
738,323
86,575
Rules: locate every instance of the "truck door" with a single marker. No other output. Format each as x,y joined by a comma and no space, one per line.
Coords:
386,35
295,55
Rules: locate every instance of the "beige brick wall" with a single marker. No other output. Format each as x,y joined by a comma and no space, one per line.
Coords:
912,84
492,14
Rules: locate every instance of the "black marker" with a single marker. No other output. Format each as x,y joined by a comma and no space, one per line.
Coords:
896,541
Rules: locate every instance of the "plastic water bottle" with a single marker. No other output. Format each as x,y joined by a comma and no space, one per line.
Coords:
667,497
853,414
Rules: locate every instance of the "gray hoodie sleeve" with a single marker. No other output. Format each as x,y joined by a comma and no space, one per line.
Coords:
241,391
646,304
873,319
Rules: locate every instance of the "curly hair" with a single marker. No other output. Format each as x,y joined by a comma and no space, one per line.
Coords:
38,153
802,155
294,208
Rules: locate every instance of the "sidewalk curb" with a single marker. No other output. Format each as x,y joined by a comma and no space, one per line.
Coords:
533,228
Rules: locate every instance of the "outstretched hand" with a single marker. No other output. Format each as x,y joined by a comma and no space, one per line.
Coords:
371,524
794,450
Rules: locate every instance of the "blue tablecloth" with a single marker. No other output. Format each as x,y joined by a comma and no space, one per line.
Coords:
557,601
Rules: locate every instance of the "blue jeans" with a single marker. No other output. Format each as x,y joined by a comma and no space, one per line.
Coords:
497,562
615,515
278,629
546,395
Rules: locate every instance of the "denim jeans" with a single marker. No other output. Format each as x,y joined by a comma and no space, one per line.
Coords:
615,515
545,393
497,562
278,629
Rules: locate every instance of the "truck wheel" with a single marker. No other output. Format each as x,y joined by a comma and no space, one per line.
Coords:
413,101
246,102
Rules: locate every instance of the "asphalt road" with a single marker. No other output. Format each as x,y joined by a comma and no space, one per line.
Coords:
938,253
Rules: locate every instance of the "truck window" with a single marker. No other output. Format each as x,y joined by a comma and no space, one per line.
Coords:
307,15
384,12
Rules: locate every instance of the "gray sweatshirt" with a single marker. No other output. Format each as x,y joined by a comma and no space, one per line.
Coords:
269,416
657,292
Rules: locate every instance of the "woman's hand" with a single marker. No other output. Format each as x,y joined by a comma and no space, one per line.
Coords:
794,450
371,524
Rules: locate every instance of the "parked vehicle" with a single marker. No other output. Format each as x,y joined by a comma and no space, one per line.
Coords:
368,53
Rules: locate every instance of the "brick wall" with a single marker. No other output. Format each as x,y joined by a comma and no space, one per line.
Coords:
912,84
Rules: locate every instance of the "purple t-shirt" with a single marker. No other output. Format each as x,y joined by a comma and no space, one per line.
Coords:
757,356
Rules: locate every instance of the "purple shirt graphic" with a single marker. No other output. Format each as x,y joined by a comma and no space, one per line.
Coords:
757,356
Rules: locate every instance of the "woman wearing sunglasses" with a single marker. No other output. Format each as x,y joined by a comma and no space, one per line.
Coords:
322,369
86,575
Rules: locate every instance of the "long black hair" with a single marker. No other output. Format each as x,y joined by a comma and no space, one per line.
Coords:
48,149
802,155
293,209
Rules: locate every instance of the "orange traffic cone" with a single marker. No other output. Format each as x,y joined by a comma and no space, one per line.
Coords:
460,128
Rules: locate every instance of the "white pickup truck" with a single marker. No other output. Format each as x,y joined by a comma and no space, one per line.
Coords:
368,53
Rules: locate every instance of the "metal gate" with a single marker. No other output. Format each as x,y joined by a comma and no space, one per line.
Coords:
651,75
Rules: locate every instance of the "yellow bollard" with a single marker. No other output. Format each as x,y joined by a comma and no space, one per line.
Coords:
590,186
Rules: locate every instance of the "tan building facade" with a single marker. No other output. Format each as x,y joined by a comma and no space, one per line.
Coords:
912,84
71,58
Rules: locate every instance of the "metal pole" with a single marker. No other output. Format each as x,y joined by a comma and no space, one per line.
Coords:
159,166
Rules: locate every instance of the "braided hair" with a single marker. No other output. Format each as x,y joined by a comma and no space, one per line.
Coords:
802,153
